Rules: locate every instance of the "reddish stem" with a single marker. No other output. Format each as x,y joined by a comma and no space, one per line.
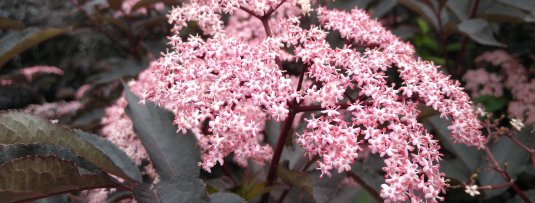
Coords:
272,173
265,23
249,12
505,175
464,39
531,151
272,10
494,187
283,195
533,160
442,37
285,130
520,144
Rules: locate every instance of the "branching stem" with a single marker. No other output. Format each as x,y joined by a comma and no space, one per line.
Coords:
285,130
505,175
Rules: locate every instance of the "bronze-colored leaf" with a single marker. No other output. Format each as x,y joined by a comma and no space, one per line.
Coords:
34,177
17,127
17,42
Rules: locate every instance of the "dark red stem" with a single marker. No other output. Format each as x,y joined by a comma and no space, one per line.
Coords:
531,151
494,187
464,40
272,173
285,131
441,35
505,175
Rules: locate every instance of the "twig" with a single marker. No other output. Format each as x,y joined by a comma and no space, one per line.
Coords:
441,35
250,12
271,10
464,40
520,144
287,126
531,151
505,175
494,187
272,173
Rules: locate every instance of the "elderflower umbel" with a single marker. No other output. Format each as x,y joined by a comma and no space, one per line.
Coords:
226,85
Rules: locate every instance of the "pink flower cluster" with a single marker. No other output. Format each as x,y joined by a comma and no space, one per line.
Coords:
30,72
480,82
128,6
53,110
6,82
224,87
513,77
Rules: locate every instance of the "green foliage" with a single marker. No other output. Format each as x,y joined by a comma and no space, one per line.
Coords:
492,103
427,46
363,196
250,188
